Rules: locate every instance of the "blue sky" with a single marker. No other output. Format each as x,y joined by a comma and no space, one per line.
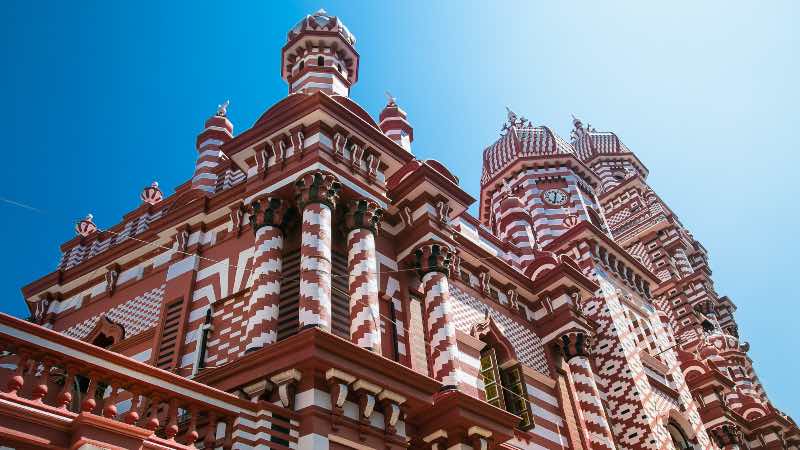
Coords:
101,98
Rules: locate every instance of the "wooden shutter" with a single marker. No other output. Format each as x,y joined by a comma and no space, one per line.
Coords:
288,312
490,373
169,335
517,402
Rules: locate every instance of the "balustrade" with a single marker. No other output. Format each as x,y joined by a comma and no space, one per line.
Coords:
44,369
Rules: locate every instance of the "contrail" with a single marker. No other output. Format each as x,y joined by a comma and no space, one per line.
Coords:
21,205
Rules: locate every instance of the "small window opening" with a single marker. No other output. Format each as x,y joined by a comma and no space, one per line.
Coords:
301,66
320,61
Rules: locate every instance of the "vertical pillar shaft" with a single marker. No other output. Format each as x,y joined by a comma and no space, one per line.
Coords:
262,326
315,267
363,286
362,219
682,261
575,348
267,218
316,194
433,261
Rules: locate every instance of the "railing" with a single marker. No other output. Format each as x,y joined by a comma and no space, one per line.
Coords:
44,369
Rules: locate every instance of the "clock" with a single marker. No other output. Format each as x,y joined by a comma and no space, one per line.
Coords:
555,197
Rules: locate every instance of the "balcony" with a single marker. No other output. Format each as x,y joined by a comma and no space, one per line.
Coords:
58,392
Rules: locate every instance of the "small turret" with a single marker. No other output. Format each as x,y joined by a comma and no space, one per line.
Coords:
394,124
319,55
218,130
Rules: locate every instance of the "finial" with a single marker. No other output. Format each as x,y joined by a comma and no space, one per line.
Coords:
151,195
222,110
86,226
512,117
390,98
321,12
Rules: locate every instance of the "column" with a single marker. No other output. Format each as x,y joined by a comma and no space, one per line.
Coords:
267,217
682,261
576,347
316,194
362,221
433,263
728,436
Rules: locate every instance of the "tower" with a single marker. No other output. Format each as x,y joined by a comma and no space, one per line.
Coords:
319,55
544,171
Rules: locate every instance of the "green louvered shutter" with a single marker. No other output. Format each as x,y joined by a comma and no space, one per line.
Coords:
491,379
517,403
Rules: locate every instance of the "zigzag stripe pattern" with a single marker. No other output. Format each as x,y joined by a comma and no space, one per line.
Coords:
363,290
315,267
262,323
591,407
443,351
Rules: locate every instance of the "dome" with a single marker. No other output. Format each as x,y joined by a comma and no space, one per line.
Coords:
321,21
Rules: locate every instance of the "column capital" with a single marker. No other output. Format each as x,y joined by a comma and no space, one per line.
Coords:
433,257
317,187
726,434
575,343
268,211
362,213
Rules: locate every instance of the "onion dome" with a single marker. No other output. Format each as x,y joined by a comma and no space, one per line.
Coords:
394,124
321,21
152,194
86,226
520,139
605,153
319,55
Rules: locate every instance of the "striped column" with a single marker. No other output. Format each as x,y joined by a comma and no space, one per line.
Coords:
268,217
575,347
316,194
433,263
728,436
682,261
218,130
362,220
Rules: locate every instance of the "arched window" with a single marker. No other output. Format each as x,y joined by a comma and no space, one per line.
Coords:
320,61
301,66
679,439
505,387
504,383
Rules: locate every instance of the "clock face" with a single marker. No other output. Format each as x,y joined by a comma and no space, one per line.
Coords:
555,197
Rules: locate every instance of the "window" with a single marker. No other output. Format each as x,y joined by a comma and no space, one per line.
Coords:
679,439
339,67
301,66
205,331
320,61
505,388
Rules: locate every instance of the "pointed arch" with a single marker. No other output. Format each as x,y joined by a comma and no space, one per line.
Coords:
488,332
106,333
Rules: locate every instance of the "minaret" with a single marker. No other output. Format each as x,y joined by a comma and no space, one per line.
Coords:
394,124
218,131
319,55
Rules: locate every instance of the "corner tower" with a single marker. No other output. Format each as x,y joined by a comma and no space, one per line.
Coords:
542,169
319,55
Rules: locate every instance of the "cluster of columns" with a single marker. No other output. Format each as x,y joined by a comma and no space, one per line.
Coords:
575,347
316,197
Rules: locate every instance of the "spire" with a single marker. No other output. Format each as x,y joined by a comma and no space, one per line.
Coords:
394,123
218,130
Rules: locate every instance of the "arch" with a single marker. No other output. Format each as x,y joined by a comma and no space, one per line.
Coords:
488,332
105,333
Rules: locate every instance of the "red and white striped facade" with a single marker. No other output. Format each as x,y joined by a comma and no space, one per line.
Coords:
314,285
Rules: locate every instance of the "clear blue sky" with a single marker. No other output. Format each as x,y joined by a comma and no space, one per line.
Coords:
101,98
